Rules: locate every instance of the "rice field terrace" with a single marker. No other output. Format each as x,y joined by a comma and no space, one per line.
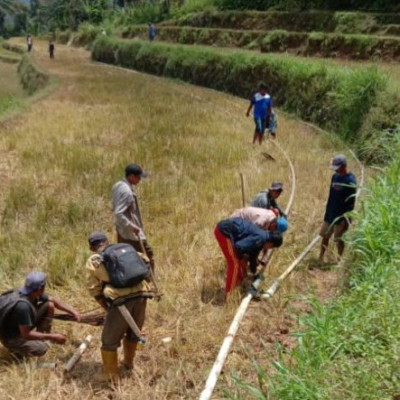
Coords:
59,160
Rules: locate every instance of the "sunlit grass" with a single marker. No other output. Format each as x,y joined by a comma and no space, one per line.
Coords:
69,149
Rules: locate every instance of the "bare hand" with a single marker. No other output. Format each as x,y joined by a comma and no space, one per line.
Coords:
136,231
58,338
77,316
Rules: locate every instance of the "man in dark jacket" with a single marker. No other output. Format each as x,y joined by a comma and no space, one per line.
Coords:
241,241
342,197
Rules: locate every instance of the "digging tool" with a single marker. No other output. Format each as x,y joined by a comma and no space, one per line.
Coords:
158,294
131,322
242,185
77,354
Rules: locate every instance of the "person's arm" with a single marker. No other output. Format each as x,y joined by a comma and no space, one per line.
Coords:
249,109
351,195
250,106
29,334
122,203
59,305
275,204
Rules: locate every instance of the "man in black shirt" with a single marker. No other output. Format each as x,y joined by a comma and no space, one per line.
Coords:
34,309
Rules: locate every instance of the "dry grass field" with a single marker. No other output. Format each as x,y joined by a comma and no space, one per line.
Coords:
59,161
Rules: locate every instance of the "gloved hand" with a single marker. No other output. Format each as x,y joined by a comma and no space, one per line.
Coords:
276,239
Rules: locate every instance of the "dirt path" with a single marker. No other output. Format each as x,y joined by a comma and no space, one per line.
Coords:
194,141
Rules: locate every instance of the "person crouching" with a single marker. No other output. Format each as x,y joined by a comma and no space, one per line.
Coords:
241,241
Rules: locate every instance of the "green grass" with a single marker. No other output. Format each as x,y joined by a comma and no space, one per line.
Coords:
349,349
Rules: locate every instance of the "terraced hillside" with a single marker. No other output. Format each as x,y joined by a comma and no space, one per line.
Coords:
348,35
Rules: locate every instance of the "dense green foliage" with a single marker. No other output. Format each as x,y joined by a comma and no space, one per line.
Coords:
349,349
32,78
335,98
359,47
324,21
372,5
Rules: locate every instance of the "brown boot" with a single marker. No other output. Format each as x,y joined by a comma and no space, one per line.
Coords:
110,364
129,353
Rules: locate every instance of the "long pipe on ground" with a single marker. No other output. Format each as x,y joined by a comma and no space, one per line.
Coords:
226,344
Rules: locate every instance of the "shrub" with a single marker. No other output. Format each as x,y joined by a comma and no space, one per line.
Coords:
32,78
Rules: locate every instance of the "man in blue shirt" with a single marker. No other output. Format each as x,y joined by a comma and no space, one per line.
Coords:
261,101
342,197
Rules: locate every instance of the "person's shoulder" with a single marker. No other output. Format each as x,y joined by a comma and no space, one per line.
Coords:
351,177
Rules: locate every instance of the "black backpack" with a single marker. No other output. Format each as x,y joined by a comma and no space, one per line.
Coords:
8,300
124,265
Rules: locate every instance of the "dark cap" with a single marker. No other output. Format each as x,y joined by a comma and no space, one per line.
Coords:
134,169
96,238
338,161
34,281
276,186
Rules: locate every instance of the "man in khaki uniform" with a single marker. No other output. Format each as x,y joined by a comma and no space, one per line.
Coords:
115,326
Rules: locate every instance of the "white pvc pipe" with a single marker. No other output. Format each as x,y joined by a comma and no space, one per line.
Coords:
230,336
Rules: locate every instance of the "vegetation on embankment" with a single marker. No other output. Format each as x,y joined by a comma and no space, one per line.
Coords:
323,21
335,98
364,47
31,76
349,349
297,5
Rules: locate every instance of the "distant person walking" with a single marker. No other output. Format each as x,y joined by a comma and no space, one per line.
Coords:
341,200
152,32
51,49
261,101
128,220
267,198
29,42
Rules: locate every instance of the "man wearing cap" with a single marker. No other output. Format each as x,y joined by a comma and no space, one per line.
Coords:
342,197
115,326
267,198
264,219
128,220
241,241
34,309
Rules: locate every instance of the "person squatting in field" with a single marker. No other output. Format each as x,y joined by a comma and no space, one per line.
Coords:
261,101
241,241
26,328
342,197
128,219
267,198
115,326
